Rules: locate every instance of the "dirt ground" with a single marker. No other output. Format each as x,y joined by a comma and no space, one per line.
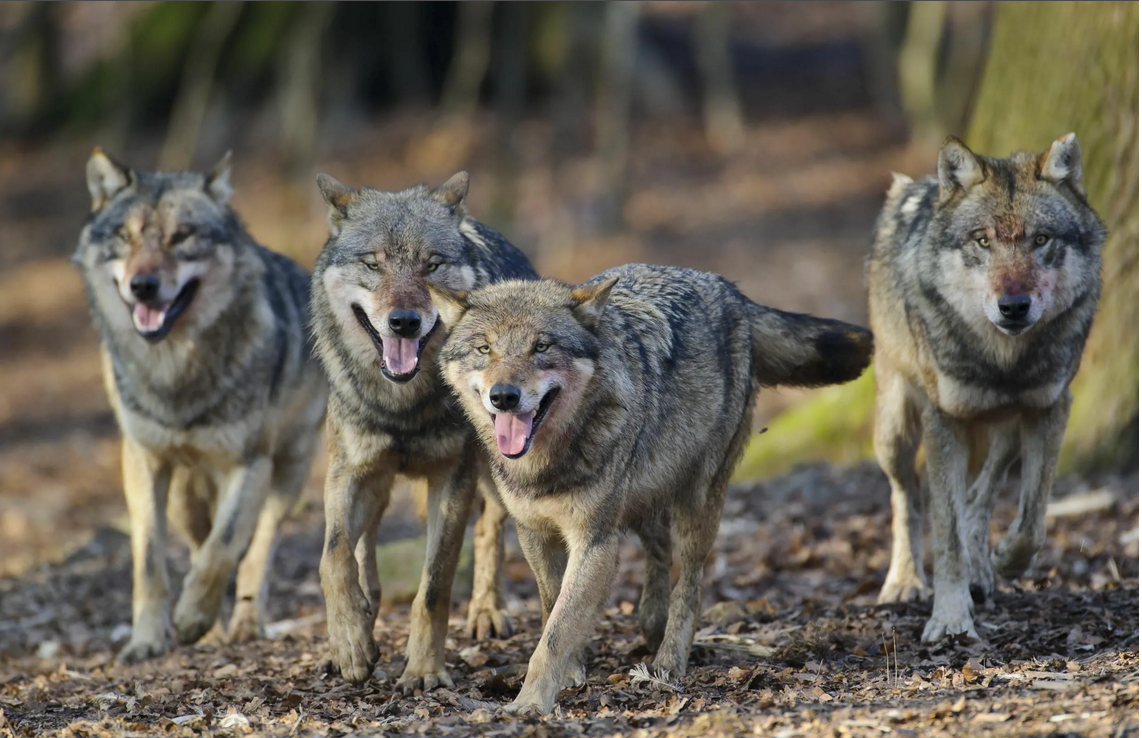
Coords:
791,644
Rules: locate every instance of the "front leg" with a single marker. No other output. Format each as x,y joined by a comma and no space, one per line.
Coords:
487,613
591,570
547,555
244,492
1003,449
947,449
354,501
450,493
146,482
1042,436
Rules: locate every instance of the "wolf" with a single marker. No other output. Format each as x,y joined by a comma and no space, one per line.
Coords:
210,374
378,337
982,285
622,404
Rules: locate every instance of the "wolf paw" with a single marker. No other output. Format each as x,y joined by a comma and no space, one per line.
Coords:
245,625
575,675
138,650
485,621
412,680
521,707
352,649
908,588
672,663
949,619
192,621
1013,555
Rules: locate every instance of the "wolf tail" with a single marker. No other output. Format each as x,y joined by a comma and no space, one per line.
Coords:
804,351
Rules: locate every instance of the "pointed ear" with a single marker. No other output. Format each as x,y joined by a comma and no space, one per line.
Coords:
105,178
959,168
337,196
451,305
589,301
451,194
1063,163
218,181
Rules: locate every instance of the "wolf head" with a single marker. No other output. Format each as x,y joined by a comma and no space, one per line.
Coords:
1018,242
384,250
157,249
520,356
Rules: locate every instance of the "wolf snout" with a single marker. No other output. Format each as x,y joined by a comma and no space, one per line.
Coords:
145,287
504,397
404,323
1014,307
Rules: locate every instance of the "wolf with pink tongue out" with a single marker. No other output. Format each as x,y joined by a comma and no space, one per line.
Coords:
378,337
619,405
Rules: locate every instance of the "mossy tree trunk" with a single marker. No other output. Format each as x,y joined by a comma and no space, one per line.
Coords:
1053,68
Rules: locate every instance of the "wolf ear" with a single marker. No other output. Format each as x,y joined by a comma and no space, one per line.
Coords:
588,302
451,305
105,178
337,196
959,168
218,181
451,194
1063,163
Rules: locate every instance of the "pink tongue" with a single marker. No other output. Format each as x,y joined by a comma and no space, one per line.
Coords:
512,432
147,318
400,354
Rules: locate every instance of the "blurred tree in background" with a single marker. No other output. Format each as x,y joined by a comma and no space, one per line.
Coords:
1053,68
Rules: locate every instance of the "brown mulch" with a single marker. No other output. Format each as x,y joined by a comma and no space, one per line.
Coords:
794,643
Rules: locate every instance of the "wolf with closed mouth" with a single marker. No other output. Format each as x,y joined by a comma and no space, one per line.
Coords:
982,286
378,338
209,371
618,405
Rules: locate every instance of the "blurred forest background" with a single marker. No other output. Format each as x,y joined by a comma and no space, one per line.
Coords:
751,139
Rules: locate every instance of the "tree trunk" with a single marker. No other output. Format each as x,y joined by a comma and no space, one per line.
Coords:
1053,68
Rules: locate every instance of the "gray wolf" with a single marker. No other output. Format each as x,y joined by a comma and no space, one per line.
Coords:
619,405
390,413
211,377
982,286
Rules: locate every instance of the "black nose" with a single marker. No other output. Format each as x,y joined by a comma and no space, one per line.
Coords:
504,396
404,323
145,287
1014,307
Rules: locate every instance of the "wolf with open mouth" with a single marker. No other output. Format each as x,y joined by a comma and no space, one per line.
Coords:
615,406
210,372
378,337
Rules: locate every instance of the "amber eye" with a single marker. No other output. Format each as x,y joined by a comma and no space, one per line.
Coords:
984,241
371,266
541,347
1040,240
484,349
432,266
123,234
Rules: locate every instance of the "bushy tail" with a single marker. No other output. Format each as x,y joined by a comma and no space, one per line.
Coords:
803,351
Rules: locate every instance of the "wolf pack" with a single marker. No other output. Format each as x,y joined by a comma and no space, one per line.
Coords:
426,346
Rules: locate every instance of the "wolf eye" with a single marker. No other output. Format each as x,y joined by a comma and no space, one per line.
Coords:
432,266
123,234
542,346
182,234
1040,240
984,241
370,265
483,349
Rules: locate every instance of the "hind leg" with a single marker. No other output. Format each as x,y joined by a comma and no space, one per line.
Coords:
654,603
487,614
1042,437
291,469
244,490
1003,449
896,438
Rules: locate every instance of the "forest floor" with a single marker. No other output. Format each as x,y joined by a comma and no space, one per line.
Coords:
791,642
